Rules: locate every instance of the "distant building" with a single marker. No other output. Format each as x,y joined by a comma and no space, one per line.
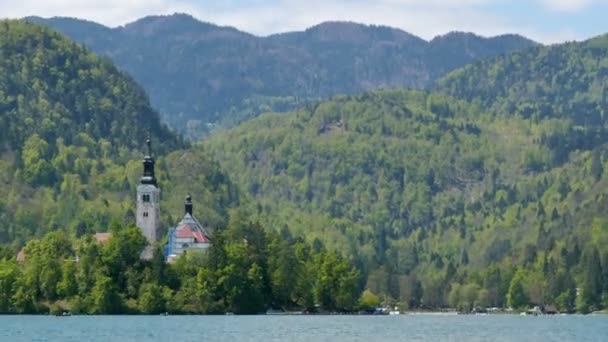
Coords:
21,256
102,238
188,235
148,204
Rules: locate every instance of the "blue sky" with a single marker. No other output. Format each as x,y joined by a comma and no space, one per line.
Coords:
548,21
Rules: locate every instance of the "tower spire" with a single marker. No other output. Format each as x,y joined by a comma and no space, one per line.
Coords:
188,205
148,176
149,143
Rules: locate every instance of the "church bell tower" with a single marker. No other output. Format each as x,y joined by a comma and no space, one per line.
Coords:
148,204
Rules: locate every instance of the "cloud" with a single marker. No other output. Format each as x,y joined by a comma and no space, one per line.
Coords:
567,5
107,12
426,18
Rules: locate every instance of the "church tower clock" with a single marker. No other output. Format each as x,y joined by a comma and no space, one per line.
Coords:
148,204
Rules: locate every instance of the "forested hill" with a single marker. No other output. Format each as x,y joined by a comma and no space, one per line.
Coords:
560,81
56,89
72,135
439,201
72,132
198,73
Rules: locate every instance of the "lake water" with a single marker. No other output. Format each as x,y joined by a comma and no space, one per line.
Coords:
303,328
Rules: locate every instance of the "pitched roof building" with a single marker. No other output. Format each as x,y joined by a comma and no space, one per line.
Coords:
188,235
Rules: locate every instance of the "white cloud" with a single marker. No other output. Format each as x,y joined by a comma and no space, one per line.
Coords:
567,5
426,18
107,12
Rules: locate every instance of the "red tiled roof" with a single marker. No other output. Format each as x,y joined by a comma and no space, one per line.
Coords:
185,231
200,238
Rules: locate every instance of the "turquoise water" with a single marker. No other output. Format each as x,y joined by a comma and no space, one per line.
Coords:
303,328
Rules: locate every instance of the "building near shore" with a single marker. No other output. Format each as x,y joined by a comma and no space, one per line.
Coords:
148,204
187,235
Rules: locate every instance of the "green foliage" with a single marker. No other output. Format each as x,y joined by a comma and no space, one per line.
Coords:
591,286
151,299
52,88
422,190
234,276
104,297
369,300
421,198
467,297
230,76
69,156
9,274
566,81
517,297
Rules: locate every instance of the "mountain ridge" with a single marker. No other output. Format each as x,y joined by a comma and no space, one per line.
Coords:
199,74
320,25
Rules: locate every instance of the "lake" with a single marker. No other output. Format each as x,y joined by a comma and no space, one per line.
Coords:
304,328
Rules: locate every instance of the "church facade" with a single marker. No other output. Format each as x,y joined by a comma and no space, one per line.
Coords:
187,235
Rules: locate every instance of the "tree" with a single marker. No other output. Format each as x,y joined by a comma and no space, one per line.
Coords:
9,274
454,296
517,297
38,171
50,275
123,249
68,286
336,287
369,300
596,167
254,292
24,301
591,288
151,299
105,298
284,270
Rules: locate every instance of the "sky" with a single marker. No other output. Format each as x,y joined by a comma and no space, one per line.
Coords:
547,21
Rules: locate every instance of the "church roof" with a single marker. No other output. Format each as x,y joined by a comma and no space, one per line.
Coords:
189,227
187,232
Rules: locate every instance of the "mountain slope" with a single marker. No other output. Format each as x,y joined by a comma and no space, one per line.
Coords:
72,132
423,190
198,73
565,81
54,88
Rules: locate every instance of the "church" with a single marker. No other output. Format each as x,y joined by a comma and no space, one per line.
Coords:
187,235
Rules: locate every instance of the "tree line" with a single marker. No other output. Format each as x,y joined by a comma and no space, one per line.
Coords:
247,270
